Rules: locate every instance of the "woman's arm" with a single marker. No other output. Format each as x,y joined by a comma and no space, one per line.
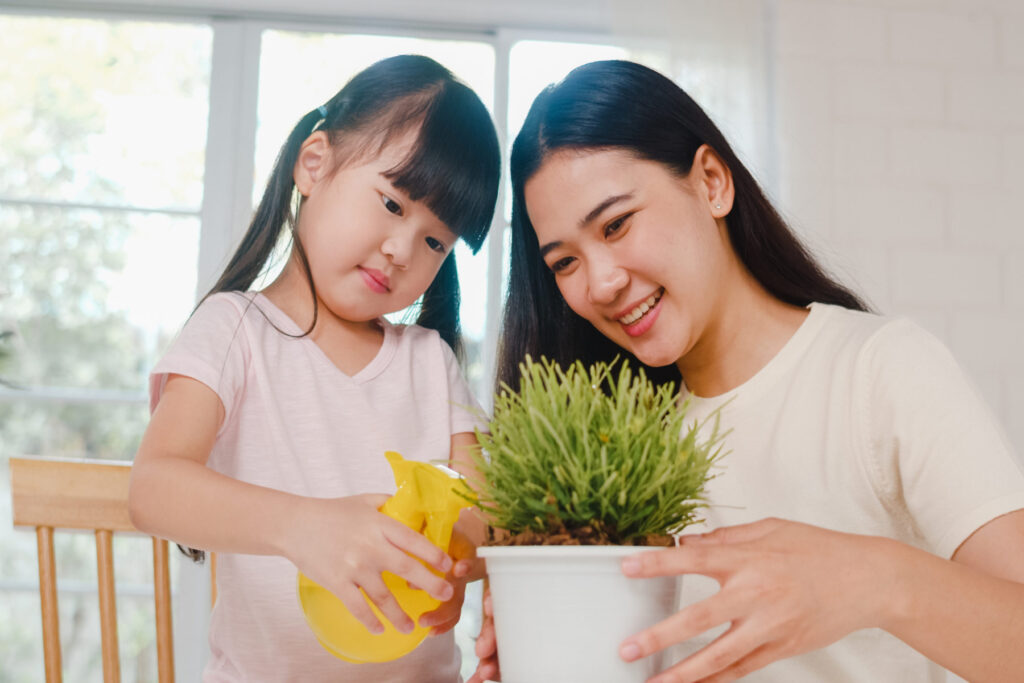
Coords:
788,588
341,543
968,615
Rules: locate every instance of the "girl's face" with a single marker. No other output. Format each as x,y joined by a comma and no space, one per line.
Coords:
639,252
371,249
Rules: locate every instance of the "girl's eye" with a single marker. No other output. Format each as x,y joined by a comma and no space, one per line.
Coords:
561,264
616,225
391,205
436,245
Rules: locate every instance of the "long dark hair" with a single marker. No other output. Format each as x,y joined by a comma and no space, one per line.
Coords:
454,168
620,104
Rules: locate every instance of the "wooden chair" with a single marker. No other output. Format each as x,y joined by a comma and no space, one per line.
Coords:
54,493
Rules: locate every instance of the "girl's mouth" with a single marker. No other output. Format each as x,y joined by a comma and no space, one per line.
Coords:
375,280
640,319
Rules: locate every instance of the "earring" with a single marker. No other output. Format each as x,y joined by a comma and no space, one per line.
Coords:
718,206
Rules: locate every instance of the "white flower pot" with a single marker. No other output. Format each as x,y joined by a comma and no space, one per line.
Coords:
561,613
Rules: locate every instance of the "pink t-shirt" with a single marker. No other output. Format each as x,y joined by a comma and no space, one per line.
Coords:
294,422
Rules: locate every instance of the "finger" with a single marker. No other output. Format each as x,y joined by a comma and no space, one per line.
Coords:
461,547
716,658
707,559
360,609
470,570
415,574
448,611
486,644
485,671
685,624
758,659
739,533
377,591
417,545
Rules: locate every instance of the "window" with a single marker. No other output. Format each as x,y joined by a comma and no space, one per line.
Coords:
132,152
102,135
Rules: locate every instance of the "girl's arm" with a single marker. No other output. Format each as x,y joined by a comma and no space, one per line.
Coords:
341,543
789,588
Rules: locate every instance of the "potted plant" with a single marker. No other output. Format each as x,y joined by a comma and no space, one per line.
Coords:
578,468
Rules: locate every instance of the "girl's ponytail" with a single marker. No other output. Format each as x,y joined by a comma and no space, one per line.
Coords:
439,309
273,213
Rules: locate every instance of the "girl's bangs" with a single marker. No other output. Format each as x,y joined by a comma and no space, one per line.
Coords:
454,165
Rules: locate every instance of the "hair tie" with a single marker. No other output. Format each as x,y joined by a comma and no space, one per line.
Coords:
323,111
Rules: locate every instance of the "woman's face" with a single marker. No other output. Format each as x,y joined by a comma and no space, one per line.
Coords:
636,250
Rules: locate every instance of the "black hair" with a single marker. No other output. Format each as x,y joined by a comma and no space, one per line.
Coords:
622,105
454,167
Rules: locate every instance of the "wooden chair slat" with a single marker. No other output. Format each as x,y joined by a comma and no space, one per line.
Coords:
108,605
162,600
48,599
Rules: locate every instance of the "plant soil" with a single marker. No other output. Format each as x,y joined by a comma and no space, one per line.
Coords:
586,535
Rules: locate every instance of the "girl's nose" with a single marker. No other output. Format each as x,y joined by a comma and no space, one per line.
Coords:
397,250
606,281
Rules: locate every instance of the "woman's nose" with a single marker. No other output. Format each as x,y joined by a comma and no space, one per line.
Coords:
606,281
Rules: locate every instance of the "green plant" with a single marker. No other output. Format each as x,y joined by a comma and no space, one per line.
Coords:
583,448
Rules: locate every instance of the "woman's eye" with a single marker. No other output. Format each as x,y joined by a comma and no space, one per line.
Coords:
391,205
561,264
615,225
436,245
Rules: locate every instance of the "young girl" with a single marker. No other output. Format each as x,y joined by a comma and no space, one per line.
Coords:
869,496
272,411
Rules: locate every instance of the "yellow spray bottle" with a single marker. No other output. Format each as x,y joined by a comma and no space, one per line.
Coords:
428,501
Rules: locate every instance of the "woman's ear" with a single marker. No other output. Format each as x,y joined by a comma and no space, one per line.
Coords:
313,162
716,181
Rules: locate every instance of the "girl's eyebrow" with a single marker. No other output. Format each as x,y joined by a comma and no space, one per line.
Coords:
594,213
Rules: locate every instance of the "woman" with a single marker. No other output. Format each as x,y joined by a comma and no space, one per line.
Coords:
869,497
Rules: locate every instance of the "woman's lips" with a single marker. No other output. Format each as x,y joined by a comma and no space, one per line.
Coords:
375,280
637,328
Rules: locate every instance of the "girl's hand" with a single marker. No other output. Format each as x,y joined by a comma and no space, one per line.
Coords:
486,647
345,543
786,588
467,568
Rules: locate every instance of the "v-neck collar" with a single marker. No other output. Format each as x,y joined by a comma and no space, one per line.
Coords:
372,369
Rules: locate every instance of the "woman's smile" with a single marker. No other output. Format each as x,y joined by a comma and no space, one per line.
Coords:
641,317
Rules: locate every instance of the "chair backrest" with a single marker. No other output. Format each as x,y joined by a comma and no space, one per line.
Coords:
55,493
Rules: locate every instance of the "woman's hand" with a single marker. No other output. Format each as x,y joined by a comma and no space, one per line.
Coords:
786,588
345,543
486,647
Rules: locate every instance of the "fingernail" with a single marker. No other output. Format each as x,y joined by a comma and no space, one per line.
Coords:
631,566
377,628
629,651
446,563
447,592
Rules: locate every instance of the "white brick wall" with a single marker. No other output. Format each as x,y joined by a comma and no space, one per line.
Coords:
901,156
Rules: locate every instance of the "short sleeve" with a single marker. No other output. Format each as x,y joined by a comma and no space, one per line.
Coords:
467,414
211,348
936,446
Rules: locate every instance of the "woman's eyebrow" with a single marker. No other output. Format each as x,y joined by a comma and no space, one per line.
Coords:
600,208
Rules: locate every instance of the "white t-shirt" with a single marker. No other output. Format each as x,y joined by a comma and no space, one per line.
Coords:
294,422
866,425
